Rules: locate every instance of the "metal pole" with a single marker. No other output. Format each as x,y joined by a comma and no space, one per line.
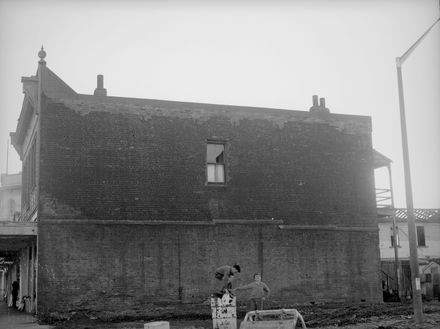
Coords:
396,240
415,276
7,156
396,258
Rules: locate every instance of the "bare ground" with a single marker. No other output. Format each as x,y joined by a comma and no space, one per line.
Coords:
324,316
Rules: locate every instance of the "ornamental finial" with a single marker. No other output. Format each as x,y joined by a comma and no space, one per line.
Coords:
42,55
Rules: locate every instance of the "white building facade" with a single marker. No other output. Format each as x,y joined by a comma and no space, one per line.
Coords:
10,196
428,251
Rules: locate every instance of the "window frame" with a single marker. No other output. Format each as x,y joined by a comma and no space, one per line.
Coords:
207,163
392,237
392,241
421,237
428,277
29,177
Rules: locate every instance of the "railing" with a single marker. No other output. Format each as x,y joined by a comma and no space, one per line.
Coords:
28,207
383,198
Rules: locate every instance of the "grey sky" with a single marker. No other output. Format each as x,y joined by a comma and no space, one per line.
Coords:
271,54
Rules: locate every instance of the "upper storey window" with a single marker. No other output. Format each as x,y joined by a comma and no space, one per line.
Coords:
29,179
421,236
397,242
215,162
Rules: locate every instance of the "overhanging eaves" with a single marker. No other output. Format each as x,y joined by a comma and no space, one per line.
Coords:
380,160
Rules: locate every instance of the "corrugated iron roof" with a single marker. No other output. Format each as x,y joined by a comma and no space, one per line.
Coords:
401,214
420,214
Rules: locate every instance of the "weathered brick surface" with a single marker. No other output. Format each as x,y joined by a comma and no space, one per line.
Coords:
115,166
139,160
117,267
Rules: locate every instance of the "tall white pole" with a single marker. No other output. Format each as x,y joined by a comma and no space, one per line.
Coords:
397,271
7,156
415,275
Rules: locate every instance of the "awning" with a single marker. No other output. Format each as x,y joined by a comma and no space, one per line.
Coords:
15,236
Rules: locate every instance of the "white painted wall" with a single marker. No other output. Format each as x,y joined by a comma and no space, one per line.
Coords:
10,196
432,238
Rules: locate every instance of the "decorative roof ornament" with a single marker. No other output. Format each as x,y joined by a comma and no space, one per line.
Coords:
42,55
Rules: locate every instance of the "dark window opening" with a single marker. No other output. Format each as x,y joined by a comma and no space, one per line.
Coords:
397,237
428,277
29,179
421,236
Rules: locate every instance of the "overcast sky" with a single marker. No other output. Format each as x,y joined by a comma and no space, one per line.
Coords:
256,53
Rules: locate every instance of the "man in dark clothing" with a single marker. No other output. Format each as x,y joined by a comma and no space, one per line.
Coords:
225,275
15,287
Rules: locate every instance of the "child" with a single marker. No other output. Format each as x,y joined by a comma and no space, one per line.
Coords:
258,291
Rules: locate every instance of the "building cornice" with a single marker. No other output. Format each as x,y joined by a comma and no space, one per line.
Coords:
28,111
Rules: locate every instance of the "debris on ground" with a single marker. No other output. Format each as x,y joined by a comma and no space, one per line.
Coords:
318,316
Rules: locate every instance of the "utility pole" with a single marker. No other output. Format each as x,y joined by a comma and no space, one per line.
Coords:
7,156
415,275
397,267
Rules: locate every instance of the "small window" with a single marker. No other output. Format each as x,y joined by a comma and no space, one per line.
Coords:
215,159
397,237
11,208
428,277
421,236
392,241
12,205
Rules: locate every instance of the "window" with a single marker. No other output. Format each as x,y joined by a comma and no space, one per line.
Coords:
421,236
11,208
397,237
215,162
29,179
428,277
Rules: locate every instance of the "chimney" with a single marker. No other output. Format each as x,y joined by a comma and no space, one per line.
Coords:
315,106
315,100
100,90
322,105
319,108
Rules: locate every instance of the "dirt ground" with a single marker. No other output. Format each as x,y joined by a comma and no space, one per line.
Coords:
326,316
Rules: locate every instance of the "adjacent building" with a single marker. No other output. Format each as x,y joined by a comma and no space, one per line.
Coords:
17,243
136,201
394,243
10,206
10,196
428,250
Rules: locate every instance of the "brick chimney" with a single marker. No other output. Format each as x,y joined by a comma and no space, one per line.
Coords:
315,105
100,90
319,108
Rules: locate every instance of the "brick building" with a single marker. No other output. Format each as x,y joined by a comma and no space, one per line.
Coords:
137,201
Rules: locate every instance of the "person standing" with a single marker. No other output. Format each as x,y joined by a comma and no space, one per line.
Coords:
258,292
225,275
15,288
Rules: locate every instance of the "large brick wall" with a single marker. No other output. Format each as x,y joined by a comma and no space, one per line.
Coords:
102,164
116,159
120,267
